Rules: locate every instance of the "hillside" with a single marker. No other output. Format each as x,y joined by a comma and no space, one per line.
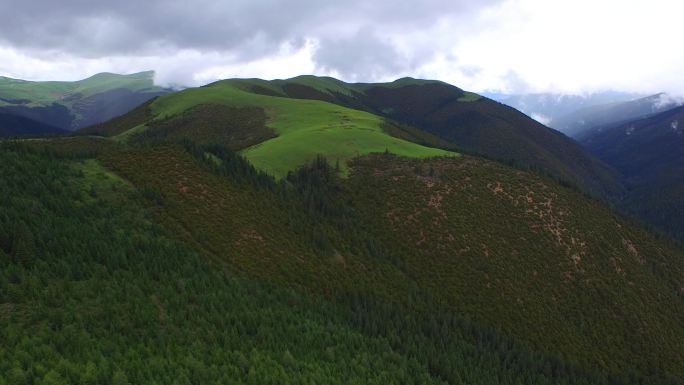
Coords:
72,105
275,134
586,121
429,113
14,125
649,154
573,291
466,121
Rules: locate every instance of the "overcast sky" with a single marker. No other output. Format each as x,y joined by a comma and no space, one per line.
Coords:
571,46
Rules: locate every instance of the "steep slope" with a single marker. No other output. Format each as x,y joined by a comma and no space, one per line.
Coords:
538,261
585,121
649,153
92,291
468,122
504,249
14,125
72,105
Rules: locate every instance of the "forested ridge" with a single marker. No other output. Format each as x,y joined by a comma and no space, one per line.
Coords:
109,280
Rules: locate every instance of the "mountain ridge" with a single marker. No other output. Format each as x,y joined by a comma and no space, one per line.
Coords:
467,121
73,105
453,119
583,122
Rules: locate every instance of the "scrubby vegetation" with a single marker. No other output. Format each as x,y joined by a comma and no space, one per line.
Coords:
92,290
501,263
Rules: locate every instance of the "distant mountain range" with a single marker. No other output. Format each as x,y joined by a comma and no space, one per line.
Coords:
649,154
580,123
573,115
73,105
547,107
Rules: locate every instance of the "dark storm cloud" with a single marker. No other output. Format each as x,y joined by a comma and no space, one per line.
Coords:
353,36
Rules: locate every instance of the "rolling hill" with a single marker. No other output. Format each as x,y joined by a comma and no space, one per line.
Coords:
649,154
73,105
430,113
287,133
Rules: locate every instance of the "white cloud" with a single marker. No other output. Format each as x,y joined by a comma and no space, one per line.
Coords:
572,46
576,46
666,101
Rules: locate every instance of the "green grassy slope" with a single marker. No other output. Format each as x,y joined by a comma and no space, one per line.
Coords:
458,120
303,128
467,121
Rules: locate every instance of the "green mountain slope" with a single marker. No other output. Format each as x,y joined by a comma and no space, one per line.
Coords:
439,115
506,250
468,122
299,129
72,105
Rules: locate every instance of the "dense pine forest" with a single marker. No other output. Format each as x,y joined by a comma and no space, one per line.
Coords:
94,289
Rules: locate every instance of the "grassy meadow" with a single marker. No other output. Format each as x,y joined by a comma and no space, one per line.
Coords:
304,128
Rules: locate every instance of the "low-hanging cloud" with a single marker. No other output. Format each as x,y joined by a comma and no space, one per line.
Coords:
665,101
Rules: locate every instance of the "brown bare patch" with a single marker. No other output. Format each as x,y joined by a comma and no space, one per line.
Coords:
496,188
617,267
249,235
631,249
